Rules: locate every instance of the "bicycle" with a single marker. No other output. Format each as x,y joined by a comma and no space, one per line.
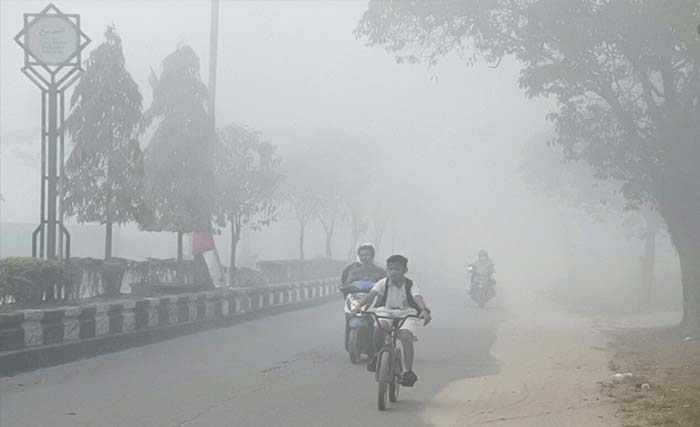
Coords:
389,372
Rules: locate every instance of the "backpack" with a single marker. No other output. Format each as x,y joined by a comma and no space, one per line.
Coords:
407,288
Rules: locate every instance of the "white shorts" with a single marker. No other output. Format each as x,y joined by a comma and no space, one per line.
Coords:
411,324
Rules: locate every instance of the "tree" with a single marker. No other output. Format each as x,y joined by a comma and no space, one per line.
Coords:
574,184
358,225
328,174
304,207
330,209
625,77
381,218
179,158
104,172
246,178
300,193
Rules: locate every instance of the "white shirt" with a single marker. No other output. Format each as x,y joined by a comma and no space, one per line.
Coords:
396,298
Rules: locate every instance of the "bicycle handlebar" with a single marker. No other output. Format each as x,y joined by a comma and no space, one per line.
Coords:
398,321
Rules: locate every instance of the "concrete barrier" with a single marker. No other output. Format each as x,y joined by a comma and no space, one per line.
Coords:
30,339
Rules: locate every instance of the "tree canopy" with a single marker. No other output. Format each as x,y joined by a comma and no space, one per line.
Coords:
246,178
104,172
179,157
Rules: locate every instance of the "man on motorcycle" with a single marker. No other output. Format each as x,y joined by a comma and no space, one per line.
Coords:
483,267
398,296
364,270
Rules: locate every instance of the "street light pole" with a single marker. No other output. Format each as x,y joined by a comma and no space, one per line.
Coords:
213,53
213,56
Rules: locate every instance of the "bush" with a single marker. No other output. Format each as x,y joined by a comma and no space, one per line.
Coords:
246,277
26,279
112,275
296,270
87,280
168,271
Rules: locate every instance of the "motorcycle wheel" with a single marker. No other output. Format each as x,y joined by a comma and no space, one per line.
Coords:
353,346
482,298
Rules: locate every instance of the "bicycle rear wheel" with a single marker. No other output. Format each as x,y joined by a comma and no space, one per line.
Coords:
385,375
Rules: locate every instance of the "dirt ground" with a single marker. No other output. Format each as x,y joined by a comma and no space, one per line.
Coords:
664,388
552,369
558,369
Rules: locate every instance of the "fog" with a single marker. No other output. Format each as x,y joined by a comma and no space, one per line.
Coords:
447,139
559,136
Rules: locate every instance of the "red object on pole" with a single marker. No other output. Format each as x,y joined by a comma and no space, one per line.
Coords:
202,242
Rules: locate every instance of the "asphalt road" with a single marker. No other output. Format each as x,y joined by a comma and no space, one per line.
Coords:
285,370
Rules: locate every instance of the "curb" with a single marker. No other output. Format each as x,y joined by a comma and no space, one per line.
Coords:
32,339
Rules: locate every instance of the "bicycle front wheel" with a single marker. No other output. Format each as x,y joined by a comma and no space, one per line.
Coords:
385,375
395,383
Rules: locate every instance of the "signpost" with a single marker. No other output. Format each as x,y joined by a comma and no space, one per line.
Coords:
52,42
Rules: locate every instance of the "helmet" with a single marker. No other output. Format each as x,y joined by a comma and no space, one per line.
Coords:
483,254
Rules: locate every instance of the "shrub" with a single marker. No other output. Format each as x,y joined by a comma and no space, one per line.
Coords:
26,279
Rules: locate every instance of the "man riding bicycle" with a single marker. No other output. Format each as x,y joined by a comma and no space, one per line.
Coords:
397,296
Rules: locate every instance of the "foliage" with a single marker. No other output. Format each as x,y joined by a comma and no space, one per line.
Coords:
329,177
304,205
246,179
104,171
25,279
280,271
179,157
247,277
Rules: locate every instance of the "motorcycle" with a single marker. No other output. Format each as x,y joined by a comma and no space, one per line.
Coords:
481,289
359,329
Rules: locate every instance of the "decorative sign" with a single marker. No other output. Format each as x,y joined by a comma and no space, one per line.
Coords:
52,43
52,39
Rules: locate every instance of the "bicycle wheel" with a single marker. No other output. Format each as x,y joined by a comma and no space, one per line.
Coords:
385,375
353,346
395,383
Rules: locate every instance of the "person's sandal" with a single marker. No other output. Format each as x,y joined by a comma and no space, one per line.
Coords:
409,378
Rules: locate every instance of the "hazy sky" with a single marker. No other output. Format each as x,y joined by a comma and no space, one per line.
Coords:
287,68
291,69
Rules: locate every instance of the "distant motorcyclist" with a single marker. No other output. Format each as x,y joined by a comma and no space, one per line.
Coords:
482,269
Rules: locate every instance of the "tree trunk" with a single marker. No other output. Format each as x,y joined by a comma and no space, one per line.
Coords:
378,237
352,253
235,237
302,230
329,249
679,211
330,231
179,245
648,260
356,232
690,272
108,240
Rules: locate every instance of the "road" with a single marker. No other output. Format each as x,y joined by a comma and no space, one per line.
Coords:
288,369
